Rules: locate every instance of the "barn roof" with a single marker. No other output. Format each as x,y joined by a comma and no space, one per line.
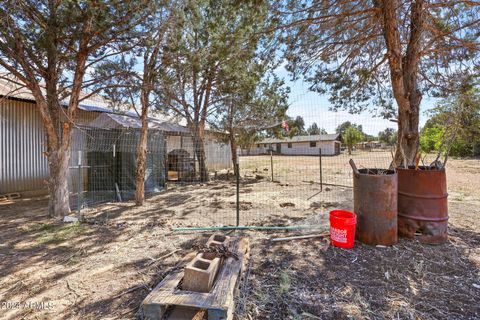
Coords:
115,121
317,137
11,88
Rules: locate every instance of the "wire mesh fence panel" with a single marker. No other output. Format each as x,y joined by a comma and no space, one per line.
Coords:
287,176
311,172
301,185
103,164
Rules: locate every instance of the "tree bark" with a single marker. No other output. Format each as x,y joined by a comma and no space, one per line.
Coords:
59,132
408,118
58,149
142,150
58,163
231,136
233,149
198,136
403,75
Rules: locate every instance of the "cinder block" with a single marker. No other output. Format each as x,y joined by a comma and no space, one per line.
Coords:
218,240
200,273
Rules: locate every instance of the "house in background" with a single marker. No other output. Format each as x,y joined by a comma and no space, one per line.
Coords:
369,145
298,145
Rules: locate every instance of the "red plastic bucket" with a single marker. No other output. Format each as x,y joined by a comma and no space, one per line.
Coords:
342,228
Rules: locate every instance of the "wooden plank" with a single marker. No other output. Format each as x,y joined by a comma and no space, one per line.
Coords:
222,295
182,313
219,302
242,277
153,310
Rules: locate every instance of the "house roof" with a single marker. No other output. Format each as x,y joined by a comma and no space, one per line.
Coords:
317,137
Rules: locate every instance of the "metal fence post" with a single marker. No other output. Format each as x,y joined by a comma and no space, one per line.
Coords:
79,194
271,163
237,165
321,173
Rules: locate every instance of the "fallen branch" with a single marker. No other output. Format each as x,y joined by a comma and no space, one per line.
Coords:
140,286
11,288
301,237
162,257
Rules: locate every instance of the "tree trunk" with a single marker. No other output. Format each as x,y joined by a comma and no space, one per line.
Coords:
233,148
58,136
408,135
349,147
202,163
198,135
142,151
408,117
403,75
58,161
231,137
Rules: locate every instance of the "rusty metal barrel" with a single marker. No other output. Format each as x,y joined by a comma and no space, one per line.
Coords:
375,203
422,204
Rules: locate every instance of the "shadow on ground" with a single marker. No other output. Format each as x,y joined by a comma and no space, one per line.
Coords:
307,279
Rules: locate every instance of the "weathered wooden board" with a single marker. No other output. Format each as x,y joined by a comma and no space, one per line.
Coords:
219,302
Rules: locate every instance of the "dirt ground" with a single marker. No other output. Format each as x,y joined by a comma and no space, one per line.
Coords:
104,268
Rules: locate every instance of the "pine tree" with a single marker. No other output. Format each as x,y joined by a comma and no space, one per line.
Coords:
373,53
48,47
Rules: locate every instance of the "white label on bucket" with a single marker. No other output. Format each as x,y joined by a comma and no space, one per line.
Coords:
339,235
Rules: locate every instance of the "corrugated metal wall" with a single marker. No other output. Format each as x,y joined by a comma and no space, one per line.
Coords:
217,154
23,167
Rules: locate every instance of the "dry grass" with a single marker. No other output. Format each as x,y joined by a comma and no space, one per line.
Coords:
106,267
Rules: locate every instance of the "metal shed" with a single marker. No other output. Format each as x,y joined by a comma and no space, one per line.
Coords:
23,164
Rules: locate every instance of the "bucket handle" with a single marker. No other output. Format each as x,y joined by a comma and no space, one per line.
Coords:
354,167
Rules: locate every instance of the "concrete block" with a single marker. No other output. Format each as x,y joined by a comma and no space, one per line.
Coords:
199,274
218,240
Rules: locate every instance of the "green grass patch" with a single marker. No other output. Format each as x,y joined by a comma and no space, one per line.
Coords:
284,283
51,233
34,227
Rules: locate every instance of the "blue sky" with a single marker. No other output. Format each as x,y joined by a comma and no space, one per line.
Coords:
313,107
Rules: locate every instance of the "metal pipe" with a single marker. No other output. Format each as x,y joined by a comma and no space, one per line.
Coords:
79,199
330,184
320,160
301,237
238,192
271,163
245,228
